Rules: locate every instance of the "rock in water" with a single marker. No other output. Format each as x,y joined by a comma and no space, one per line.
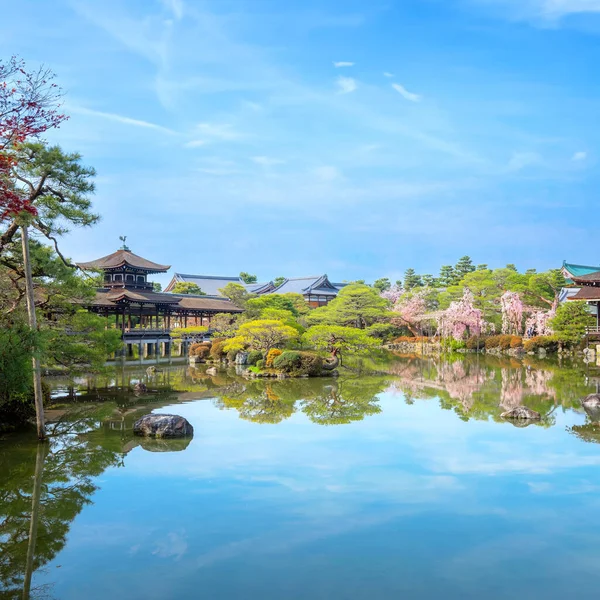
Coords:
163,426
591,405
212,371
521,412
140,388
241,358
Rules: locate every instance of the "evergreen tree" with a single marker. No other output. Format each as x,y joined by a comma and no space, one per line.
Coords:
429,281
382,284
247,278
463,266
411,279
482,267
447,275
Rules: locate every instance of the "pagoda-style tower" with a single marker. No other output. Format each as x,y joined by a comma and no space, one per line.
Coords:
124,269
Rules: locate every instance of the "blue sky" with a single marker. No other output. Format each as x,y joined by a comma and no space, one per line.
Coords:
348,137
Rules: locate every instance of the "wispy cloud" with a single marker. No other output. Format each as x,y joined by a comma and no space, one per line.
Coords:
345,84
520,160
120,119
388,74
579,156
541,10
195,143
405,93
342,63
266,161
220,131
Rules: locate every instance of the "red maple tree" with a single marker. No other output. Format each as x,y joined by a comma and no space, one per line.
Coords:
29,106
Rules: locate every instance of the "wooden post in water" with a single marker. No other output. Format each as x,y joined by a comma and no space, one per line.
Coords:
37,377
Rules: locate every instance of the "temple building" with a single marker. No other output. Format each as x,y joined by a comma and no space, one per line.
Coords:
129,296
211,284
317,291
584,285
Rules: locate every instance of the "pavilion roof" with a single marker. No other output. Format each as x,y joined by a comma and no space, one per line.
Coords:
211,284
317,285
175,301
587,293
589,278
572,271
122,258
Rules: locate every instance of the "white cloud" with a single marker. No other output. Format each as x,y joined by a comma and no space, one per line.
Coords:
265,161
120,119
327,173
346,84
218,131
405,93
579,156
195,143
342,63
387,74
544,10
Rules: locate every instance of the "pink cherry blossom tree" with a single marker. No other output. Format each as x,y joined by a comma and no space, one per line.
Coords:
512,313
393,294
410,310
538,322
462,319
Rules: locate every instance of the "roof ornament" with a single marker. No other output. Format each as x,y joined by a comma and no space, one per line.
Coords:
123,238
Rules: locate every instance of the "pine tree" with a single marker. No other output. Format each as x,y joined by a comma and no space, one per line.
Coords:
463,266
411,279
447,275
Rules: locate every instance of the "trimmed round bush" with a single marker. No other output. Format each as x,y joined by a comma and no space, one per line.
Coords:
288,361
253,357
547,342
201,350
475,343
260,363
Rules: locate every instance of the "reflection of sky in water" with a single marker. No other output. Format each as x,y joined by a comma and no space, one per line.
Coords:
411,501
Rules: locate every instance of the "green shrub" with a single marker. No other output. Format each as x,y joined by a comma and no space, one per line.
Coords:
311,364
288,361
253,357
260,363
271,356
452,344
547,342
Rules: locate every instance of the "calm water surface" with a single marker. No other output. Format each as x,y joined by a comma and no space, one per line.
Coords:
364,487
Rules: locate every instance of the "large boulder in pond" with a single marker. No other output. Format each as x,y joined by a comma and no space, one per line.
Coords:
521,412
591,405
163,426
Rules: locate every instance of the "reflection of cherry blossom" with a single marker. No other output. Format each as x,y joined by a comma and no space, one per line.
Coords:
537,381
511,393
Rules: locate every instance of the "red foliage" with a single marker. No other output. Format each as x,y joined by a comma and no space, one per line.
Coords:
29,104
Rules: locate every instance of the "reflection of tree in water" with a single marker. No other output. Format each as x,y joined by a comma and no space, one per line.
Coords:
345,401
481,387
327,402
42,489
260,406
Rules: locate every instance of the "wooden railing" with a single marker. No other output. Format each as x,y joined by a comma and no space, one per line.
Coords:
592,330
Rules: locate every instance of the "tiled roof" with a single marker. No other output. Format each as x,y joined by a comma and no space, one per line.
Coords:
184,301
587,293
572,271
589,278
211,284
307,285
121,258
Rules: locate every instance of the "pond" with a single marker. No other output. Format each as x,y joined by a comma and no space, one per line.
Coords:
367,486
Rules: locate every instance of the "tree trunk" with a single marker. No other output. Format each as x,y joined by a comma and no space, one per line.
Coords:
33,523
37,378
